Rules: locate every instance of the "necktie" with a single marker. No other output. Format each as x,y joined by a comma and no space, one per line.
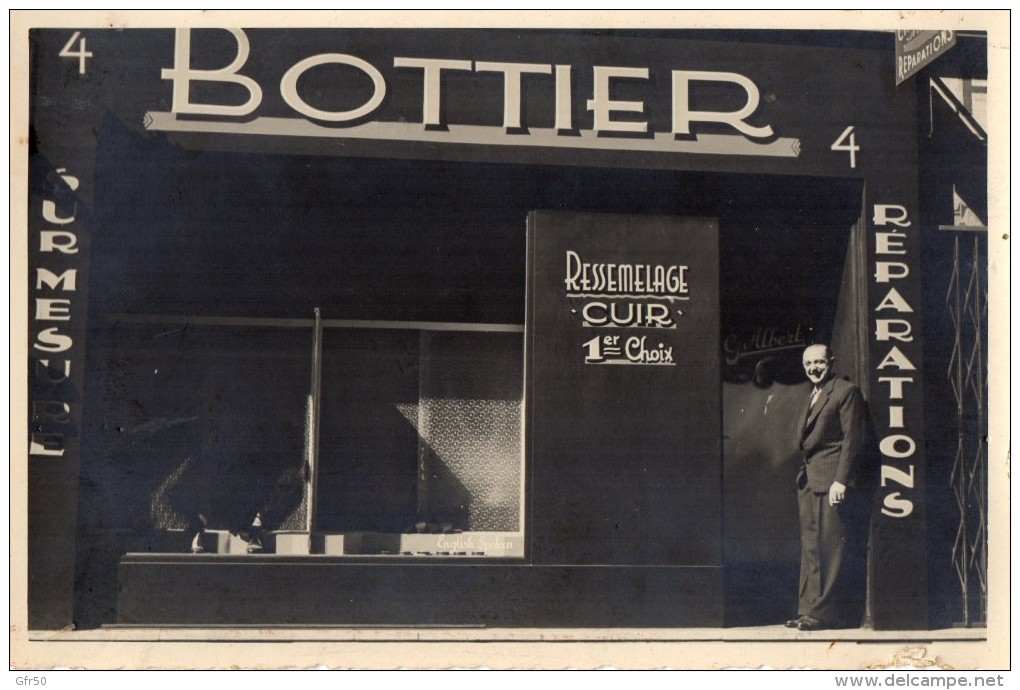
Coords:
814,396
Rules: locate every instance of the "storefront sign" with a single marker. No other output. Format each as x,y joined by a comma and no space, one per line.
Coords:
614,123
604,109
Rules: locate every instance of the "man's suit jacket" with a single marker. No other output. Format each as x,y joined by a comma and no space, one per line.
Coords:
833,435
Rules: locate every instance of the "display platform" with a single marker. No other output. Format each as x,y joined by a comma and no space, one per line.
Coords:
215,589
297,543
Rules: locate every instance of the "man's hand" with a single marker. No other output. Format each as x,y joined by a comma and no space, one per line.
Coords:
837,492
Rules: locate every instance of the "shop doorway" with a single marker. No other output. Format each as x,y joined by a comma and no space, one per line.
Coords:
783,289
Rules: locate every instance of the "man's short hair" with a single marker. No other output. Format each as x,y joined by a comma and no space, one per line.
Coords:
828,350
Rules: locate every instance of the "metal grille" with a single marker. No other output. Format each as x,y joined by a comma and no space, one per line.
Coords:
967,302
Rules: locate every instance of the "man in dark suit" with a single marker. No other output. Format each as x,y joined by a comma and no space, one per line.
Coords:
833,514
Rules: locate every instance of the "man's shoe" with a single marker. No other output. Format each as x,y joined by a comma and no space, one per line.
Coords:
793,622
808,623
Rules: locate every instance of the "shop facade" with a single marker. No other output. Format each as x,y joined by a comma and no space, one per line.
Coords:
499,328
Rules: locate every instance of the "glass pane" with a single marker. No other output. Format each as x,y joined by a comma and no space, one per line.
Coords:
420,445
196,420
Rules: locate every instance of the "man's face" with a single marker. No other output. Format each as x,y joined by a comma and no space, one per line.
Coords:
817,364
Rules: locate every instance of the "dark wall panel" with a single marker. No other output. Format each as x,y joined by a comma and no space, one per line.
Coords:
625,457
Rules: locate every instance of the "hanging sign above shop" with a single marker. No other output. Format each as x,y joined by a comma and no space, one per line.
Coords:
916,49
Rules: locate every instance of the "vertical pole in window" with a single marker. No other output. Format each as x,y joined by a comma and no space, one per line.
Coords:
314,398
425,461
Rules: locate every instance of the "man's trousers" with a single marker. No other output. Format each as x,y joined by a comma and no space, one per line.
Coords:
833,565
